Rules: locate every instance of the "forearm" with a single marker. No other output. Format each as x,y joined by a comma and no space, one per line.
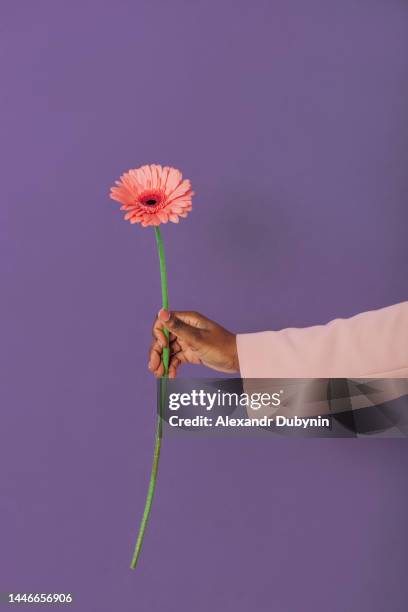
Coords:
371,344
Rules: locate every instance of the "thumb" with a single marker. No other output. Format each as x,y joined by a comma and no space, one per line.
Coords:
179,328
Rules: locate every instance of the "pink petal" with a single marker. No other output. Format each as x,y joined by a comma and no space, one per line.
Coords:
163,216
182,189
173,180
164,177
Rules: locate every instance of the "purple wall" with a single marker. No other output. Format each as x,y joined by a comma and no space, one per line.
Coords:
290,118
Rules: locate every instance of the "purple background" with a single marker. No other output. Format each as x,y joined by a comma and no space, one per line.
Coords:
290,119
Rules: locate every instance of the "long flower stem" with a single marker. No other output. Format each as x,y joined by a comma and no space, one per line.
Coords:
162,395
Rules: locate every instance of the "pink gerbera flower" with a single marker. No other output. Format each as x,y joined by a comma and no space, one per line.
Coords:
151,195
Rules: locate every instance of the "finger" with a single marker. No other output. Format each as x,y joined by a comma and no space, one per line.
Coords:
159,372
173,366
192,318
183,331
158,332
155,355
174,347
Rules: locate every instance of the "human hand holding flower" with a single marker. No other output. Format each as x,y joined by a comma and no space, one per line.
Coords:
193,339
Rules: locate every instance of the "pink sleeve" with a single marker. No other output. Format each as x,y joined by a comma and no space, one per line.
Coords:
371,344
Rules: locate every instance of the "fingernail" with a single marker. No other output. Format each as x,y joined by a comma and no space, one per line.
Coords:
150,366
164,314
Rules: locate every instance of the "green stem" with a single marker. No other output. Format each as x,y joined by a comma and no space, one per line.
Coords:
165,295
162,395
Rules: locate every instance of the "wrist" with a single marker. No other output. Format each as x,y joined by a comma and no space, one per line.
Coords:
234,354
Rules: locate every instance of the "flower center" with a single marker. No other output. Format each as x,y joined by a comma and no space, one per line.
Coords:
151,200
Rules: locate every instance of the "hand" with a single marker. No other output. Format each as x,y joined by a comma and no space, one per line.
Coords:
193,339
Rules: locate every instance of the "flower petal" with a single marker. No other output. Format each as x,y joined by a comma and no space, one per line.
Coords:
181,190
163,216
173,180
